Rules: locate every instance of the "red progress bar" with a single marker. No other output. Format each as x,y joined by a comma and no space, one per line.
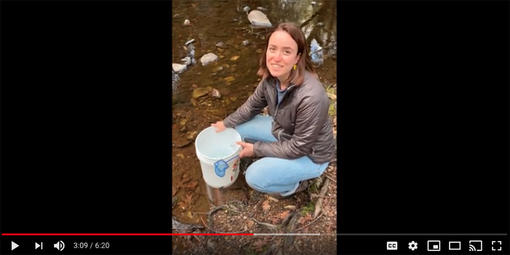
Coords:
127,234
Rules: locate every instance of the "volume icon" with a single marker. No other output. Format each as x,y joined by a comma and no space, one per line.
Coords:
59,245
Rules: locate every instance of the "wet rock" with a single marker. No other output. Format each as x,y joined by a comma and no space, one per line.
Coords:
234,58
191,52
178,68
208,58
186,61
316,52
187,22
200,92
246,42
175,79
221,45
215,93
259,19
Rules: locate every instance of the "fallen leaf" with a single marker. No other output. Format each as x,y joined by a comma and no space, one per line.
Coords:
191,185
284,214
266,206
229,78
250,223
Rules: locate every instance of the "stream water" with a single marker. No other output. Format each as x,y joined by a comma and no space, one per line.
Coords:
233,75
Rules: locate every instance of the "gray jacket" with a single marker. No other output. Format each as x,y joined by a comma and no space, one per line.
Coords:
300,122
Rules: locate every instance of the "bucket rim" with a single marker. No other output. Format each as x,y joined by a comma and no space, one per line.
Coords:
217,158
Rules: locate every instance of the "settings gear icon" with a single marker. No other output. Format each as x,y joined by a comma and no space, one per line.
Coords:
413,245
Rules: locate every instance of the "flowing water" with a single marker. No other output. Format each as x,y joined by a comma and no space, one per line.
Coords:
222,28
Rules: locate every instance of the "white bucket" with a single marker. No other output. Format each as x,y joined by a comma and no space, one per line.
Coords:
212,147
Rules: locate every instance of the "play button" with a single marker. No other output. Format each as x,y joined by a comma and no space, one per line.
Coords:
13,245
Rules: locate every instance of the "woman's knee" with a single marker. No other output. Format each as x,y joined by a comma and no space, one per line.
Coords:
256,177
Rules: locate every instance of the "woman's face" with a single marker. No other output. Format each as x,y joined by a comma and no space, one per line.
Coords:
281,54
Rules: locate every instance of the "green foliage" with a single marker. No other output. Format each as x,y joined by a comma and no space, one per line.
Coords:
310,207
332,110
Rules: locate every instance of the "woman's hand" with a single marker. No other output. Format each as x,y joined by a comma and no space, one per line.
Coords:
219,126
247,150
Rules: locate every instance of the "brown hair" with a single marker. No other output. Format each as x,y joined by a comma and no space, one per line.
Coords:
296,76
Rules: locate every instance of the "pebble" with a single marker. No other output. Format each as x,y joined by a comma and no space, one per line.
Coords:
313,3
220,45
246,9
187,22
259,19
261,9
208,58
259,51
188,42
234,58
178,68
215,93
246,42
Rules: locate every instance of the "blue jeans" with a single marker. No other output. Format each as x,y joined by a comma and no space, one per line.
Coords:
275,175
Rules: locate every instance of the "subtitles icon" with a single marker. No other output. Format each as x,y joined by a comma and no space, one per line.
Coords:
391,246
433,245
454,245
475,245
